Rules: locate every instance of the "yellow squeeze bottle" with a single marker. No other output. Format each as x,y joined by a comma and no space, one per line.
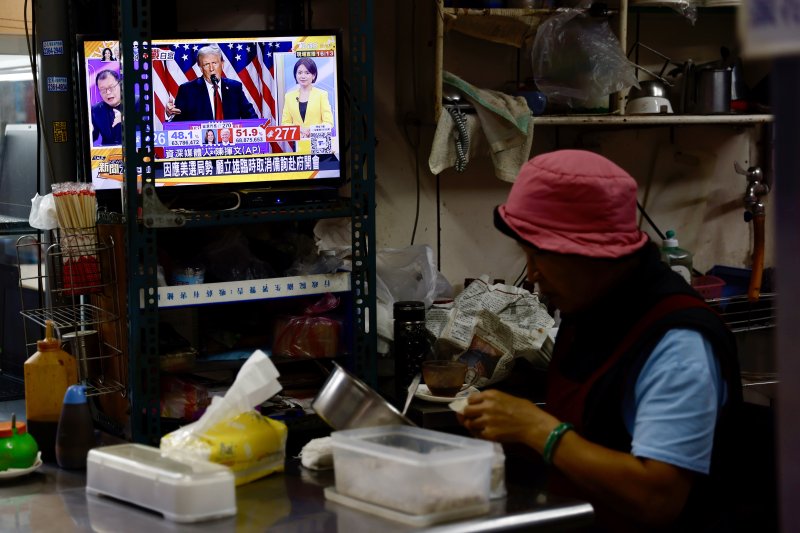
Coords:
48,373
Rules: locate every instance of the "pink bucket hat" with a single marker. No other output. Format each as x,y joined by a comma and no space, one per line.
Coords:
573,202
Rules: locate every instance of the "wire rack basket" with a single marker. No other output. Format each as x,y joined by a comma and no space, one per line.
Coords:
741,315
76,273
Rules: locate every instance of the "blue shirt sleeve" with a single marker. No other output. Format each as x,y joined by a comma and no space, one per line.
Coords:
673,409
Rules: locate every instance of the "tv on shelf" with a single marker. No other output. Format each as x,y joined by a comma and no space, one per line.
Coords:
230,112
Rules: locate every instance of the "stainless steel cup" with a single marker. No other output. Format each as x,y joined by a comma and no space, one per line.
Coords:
713,91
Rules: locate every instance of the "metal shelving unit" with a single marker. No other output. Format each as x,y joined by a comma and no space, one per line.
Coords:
447,16
146,216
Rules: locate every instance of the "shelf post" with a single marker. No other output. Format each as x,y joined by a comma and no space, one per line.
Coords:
362,182
143,370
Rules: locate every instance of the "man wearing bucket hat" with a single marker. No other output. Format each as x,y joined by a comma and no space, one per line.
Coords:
644,380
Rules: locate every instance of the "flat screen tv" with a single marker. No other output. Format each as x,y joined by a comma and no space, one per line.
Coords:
230,112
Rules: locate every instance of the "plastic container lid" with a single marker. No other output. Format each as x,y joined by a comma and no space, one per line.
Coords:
76,394
6,430
409,311
671,241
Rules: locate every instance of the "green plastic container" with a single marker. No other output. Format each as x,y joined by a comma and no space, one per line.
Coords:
18,448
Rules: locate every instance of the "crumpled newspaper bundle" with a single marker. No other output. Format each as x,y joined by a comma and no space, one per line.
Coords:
489,326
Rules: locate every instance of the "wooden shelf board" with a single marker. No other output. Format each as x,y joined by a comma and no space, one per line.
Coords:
651,120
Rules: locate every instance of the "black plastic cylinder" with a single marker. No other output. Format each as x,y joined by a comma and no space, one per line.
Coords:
411,343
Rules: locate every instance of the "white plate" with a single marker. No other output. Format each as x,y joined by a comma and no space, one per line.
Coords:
423,393
17,472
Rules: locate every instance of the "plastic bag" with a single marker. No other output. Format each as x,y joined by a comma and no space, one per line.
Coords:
43,212
405,274
578,60
230,432
409,274
310,335
250,444
185,398
687,9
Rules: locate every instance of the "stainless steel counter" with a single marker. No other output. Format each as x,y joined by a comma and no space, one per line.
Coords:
55,500
14,226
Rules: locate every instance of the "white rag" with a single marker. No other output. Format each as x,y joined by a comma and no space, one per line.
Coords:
505,122
317,454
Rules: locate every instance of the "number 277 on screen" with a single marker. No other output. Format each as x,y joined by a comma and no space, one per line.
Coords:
283,133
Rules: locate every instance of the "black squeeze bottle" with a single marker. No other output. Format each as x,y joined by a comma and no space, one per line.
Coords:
75,436
411,344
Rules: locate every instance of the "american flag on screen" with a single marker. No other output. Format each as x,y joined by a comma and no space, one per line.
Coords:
250,63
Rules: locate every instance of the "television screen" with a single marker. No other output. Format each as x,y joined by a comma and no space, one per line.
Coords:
228,111
102,96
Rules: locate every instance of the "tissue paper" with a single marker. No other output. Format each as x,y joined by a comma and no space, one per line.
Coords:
231,432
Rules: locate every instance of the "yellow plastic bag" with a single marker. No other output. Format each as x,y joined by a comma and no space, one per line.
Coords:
250,444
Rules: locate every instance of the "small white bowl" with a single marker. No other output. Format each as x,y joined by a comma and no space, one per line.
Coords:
648,105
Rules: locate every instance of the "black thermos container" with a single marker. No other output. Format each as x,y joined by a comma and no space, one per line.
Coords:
411,344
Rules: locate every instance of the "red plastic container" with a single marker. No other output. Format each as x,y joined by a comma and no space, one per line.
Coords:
709,287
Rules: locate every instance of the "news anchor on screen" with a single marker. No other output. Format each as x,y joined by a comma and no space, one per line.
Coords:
107,114
211,97
306,105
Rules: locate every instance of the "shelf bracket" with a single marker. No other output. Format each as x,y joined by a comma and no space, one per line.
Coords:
156,214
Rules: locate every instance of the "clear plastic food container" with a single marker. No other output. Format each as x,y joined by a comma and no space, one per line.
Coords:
183,489
412,470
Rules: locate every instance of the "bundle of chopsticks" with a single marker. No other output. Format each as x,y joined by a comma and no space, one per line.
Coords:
76,211
76,205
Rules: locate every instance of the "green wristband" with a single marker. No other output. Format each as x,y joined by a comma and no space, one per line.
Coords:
553,439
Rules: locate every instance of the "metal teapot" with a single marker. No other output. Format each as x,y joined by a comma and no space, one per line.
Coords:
708,88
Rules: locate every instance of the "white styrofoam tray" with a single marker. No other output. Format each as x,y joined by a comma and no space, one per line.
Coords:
183,489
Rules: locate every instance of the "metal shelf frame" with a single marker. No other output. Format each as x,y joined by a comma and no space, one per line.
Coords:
135,43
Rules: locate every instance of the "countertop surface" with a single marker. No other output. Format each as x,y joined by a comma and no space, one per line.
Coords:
14,225
51,499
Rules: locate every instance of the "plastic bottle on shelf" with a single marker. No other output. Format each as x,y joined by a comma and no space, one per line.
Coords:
677,258
75,436
48,373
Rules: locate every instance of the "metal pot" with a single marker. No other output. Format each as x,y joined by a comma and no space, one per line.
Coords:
704,89
345,402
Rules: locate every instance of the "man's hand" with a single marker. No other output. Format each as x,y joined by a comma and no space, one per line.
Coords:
117,117
171,109
305,132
